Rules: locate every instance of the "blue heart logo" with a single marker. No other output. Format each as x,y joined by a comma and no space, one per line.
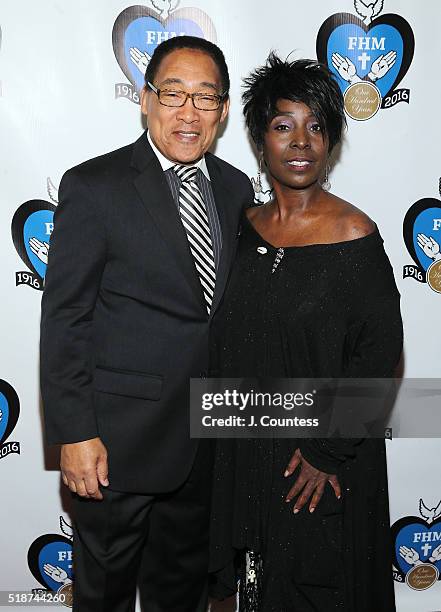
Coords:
4,415
138,30
35,231
415,540
422,231
347,39
31,229
381,52
50,560
9,410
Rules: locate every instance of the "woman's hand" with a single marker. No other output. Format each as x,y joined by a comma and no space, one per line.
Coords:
310,483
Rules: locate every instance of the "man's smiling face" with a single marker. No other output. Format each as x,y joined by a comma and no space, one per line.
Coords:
184,134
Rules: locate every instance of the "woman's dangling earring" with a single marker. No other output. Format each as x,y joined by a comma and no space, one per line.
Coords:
257,183
326,185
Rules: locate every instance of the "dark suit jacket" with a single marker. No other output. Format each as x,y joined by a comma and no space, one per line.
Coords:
124,325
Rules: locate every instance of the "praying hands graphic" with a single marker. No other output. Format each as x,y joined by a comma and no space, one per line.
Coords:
58,574
140,59
411,556
380,67
40,249
430,246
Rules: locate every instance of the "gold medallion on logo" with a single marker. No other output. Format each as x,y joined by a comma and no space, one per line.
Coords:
434,276
362,100
422,577
66,592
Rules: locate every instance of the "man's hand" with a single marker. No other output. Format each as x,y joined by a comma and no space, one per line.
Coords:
84,467
311,482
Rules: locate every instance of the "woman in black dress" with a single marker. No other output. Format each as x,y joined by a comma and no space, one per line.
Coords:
312,294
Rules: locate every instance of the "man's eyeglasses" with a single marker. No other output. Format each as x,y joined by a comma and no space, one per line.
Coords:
176,98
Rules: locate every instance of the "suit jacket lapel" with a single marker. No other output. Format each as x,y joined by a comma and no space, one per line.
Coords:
156,197
228,223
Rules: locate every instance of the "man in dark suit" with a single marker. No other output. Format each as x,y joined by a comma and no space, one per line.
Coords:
143,243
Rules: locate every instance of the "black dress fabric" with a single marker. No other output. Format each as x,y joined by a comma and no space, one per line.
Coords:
324,310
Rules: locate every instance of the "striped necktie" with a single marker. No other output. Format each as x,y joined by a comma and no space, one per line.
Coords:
195,221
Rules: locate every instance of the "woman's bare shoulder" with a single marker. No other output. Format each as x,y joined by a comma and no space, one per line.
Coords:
351,222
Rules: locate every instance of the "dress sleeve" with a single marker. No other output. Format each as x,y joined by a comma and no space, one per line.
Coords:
374,345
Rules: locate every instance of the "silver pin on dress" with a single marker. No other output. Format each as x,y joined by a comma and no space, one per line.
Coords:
279,256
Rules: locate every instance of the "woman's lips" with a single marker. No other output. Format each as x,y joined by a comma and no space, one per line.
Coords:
300,164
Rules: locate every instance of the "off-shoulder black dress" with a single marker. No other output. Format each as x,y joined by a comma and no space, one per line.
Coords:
324,310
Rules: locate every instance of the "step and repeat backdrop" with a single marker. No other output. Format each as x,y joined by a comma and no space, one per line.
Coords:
70,79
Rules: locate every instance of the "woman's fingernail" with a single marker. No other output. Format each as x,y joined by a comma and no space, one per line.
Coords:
286,473
296,510
311,510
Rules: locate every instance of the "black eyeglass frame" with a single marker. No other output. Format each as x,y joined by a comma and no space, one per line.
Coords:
220,97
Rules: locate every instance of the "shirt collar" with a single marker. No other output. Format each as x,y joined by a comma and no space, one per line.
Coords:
166,164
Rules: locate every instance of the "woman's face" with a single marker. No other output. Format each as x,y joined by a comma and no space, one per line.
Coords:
295,149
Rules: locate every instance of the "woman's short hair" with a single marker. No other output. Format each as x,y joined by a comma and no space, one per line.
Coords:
302,80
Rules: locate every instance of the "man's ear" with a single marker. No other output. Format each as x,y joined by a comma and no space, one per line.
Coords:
144,100
225,109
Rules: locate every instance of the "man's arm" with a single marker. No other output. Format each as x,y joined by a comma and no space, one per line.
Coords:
76,262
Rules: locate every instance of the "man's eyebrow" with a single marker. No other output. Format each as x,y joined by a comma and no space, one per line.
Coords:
174,81
171,81
210,85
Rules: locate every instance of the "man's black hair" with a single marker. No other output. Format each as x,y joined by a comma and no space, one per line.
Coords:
189,42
